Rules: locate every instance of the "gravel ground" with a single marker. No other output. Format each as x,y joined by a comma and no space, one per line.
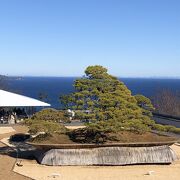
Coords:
7,162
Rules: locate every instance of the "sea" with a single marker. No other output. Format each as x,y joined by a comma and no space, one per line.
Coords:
53,87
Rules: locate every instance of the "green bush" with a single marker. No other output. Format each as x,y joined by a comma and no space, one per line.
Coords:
36,126
51,115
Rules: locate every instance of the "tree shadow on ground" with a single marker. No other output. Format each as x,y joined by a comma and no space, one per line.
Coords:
20,150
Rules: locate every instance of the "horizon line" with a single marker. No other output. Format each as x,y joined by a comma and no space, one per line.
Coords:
143,77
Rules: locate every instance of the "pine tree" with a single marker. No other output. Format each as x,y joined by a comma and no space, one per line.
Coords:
107,103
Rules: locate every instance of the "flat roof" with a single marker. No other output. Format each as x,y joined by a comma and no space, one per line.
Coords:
9,99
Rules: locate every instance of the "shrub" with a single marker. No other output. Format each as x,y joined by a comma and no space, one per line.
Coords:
36,126
51,115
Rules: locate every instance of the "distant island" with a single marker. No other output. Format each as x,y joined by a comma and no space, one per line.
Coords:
4,77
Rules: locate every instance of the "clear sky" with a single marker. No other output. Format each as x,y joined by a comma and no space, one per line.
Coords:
133,38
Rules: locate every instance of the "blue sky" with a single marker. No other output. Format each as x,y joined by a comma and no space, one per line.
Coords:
132,38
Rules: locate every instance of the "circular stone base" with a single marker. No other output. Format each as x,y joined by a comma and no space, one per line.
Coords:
107,156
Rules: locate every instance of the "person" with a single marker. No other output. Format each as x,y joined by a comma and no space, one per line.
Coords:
15,117
2,119
11,119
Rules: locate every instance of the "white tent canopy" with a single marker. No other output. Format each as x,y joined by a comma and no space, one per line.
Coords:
9,99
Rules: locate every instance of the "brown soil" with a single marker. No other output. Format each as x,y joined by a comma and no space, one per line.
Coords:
55,139
123,137
130,137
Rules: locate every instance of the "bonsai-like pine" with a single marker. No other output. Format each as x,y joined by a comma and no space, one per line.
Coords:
107,103
51,114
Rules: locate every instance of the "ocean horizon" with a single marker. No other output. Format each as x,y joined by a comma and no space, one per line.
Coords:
56,86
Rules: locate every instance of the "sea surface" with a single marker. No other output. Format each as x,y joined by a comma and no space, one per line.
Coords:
56,86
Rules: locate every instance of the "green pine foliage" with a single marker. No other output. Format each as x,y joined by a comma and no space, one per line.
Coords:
108,103
145,103
51,114
47,121
48,127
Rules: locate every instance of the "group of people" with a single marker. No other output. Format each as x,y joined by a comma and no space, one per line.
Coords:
10,116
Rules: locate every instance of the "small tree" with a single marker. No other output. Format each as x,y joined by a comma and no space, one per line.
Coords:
107,103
